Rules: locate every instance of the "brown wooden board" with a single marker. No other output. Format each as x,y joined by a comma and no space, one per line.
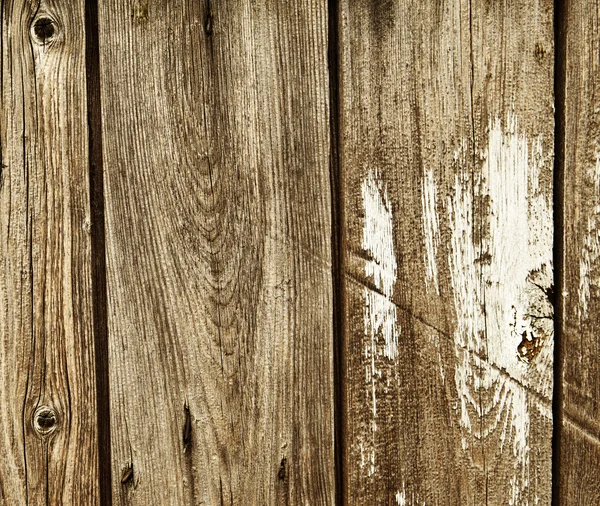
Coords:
579,450
218,223
579,464
446,154
48,437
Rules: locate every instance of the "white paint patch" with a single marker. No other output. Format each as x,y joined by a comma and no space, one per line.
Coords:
519,245
380,318
378,241
378,238
505,269
401,496
545,411
402,500
590,250
431,228
367,455
362,456
371,471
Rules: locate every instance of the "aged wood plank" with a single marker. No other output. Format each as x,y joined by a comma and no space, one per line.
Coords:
218,222
47,379
579,464
580,409
446,160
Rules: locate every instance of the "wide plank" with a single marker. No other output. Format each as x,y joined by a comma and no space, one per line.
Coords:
48,435
446,154
218,238
579,450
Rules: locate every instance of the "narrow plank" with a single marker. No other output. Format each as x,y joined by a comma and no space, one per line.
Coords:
579,449
218,226
47,376
447,166
580,461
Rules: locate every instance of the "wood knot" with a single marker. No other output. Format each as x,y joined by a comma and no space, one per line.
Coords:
45,421
540,52
529,347
43,30
139,11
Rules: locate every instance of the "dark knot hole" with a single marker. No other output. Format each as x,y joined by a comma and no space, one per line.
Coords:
45,420
43,29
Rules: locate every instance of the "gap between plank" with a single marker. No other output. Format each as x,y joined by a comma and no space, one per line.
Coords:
338,256
558,253
99,299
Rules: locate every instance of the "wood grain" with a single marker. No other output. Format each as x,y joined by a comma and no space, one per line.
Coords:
447,140
580,409
579,464
47,379
218,223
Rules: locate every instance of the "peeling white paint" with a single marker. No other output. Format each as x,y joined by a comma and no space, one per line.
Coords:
362,455
380,317
367,456
378,242
401,496
402,500
505,267
590,250
519,244
430,228
545,411
371,470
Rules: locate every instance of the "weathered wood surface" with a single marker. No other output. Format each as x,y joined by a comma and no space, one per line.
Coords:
580,442
218,237
447,162
47,382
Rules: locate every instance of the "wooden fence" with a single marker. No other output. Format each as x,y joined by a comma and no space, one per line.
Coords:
261,252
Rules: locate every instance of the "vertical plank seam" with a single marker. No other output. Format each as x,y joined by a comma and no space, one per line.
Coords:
98,248
338,256
558,250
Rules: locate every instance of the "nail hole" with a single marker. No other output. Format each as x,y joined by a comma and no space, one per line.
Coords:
281,473
45,420
208,25
127,475
43,29
187,428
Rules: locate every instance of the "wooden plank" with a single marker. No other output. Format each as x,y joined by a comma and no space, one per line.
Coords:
447,165
218,222
580,369
579,464
47,376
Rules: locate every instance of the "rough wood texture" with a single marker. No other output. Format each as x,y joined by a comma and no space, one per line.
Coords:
580,445
48,433
446,160
579,464
218,221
